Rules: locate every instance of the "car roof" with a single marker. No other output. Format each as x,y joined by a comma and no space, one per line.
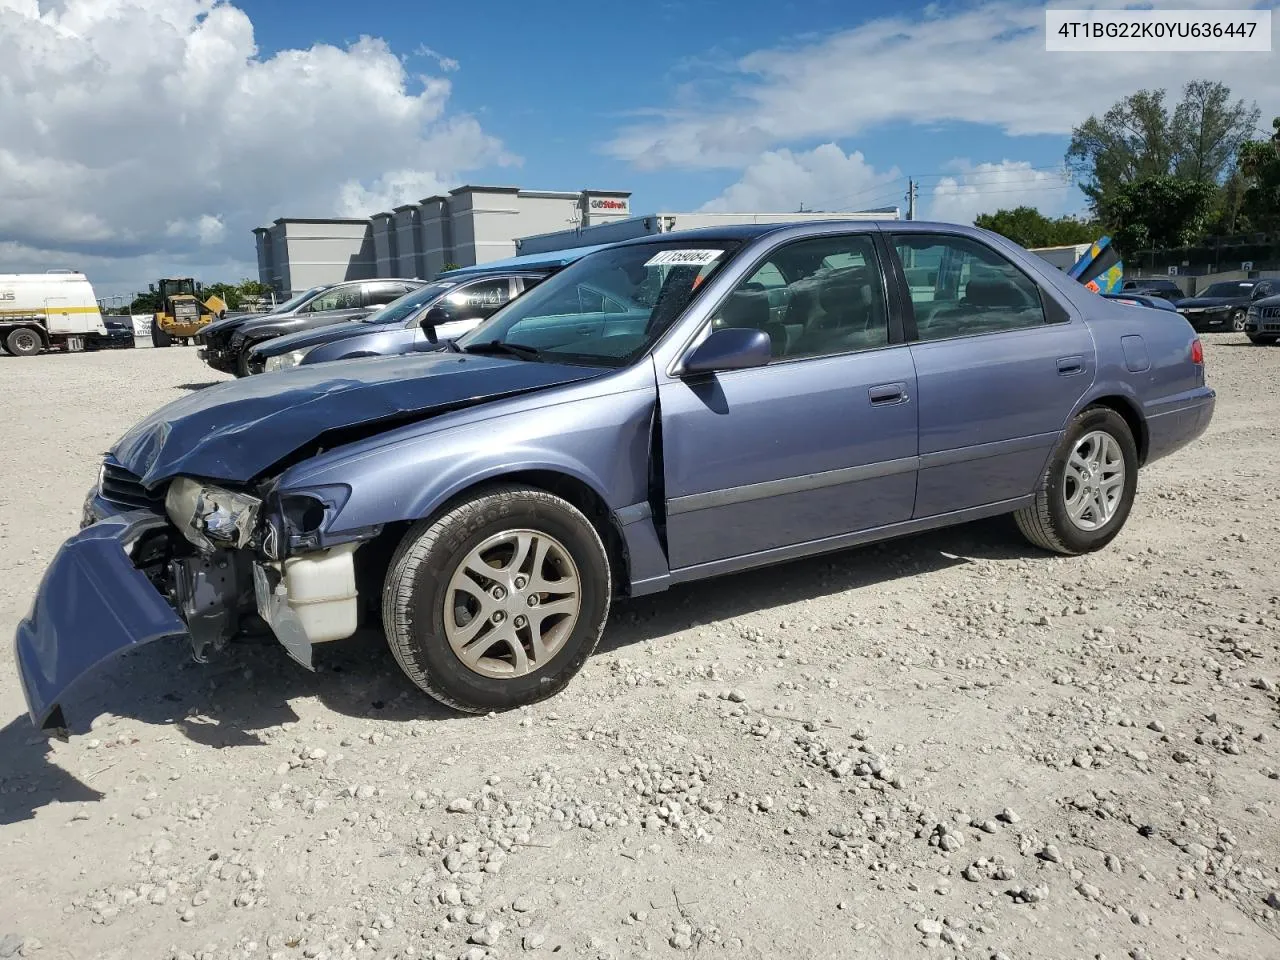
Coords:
533,262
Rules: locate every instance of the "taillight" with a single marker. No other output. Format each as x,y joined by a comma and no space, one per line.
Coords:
1197,351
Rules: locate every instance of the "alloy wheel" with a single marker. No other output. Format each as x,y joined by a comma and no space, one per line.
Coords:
1093,484
512,603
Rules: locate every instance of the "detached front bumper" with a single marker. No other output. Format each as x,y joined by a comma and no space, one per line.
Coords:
91,605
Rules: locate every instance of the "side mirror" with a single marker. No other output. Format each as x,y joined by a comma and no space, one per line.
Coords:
433,318
730,348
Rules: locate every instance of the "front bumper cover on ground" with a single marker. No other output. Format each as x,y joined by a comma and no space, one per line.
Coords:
91,605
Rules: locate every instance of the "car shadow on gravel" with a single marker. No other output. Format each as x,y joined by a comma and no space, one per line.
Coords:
199,386
248,688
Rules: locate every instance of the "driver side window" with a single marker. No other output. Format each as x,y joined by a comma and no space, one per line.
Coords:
814,298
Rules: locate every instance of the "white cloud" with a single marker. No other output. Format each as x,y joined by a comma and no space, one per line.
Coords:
822,178
155,129
447,64
987,187
982,64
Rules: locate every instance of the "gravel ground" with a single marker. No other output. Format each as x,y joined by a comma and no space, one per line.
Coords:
949,745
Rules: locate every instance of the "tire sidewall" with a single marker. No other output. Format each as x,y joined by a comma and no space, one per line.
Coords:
458,536
1075,539
14,336
1237,321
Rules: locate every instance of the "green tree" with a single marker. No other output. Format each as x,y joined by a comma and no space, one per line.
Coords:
1159,211
1029,227
1139,139
253,288
229,292
1260,174
145,303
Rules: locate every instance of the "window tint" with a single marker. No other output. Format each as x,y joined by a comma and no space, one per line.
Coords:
346,297
830,299
960,287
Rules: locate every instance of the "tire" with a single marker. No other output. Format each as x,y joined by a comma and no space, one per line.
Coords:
427,566
1237,321
23,342
242,361
158,337
1048,523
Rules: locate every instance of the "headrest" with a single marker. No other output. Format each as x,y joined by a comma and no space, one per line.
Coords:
746,308
993,292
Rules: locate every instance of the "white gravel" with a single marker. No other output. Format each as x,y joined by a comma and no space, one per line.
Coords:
948,746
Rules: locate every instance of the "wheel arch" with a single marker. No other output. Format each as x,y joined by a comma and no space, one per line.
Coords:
1129,409
567,484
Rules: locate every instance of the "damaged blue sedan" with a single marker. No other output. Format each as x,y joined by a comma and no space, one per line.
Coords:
664,410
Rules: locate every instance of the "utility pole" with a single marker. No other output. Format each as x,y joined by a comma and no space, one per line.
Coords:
911,198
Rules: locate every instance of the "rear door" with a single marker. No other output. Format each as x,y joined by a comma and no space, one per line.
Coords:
818,443
1000,364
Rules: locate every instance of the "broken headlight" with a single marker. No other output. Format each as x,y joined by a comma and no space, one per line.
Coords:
211,517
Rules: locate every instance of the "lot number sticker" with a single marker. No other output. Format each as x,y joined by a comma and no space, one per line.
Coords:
683,258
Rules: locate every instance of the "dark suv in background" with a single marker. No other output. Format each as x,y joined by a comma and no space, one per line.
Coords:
1154,287
1225,305
225,344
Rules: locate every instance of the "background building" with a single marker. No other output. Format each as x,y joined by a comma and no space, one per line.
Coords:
472,225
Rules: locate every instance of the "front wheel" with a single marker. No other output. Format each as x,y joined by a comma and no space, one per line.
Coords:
498,602
159,338
1087,490
1237,321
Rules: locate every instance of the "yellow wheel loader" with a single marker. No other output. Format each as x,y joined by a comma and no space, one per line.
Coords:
182,314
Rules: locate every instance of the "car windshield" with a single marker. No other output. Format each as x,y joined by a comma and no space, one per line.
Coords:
1229,289
607,309
297,301
398,310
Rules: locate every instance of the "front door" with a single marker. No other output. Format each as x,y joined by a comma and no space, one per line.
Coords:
818,443
1000,366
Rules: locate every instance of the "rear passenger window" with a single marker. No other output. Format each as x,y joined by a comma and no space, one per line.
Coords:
814,298
960,287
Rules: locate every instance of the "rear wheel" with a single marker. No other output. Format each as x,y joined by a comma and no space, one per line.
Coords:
1087,489
498,602
158,336
23,342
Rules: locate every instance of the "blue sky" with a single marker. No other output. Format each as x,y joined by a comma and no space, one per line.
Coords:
557,86
140,138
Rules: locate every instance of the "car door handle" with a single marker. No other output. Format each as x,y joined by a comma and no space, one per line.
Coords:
886,394
1069,366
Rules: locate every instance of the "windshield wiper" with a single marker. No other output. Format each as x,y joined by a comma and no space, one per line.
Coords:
497,346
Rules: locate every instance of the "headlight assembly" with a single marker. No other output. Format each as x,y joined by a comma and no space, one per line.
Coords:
211,517
284,361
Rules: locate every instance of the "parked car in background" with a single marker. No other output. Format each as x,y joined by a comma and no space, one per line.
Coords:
421,322
485,504
1262,322
226,346
1225,305
1155,287
119,335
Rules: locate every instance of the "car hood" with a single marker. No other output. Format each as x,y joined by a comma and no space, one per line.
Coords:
228,325
234,431
1211,302
288,323
310,338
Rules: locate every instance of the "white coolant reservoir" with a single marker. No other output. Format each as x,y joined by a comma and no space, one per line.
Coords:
322,592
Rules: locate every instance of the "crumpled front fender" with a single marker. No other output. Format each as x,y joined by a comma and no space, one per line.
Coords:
91,605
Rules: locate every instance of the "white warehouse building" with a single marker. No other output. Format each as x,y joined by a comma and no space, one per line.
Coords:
471,225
